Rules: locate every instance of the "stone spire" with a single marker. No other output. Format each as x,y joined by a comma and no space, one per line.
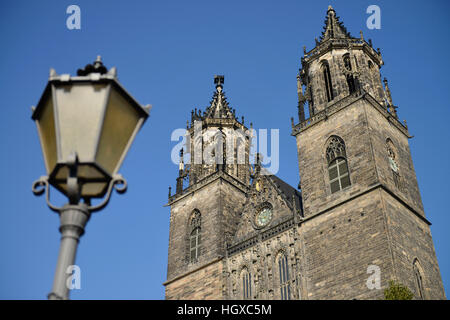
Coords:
333,29
219,107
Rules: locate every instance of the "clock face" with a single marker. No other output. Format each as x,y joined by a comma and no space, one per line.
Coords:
263,217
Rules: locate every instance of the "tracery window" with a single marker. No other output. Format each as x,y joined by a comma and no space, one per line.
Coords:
347,62
337,165
327,81
195,236
350,79
246,284
283,269
419,279
195,239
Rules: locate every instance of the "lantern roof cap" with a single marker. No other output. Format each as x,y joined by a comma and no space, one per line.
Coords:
93,77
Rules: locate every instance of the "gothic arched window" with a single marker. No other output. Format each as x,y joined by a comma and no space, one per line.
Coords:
194,236
418,278
283,271
195,239
246,284
350,80
371,75
327,80
337,164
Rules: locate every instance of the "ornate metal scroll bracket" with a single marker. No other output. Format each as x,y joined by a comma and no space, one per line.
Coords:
118,183
39,187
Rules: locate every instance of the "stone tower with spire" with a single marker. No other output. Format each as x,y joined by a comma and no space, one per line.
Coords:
239,232
363,213
210,192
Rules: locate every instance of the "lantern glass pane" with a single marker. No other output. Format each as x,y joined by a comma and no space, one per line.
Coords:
80,109
62,173
93,189
46,127
89,172
92,180
121,120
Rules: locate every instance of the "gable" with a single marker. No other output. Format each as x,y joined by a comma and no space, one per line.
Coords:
270,202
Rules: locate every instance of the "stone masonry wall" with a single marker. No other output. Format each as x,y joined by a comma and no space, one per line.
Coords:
204,283
351,125
179,259
340,244
218,203
380,130
411,239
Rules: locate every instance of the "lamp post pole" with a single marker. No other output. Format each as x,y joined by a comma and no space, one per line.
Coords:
73,219
86,125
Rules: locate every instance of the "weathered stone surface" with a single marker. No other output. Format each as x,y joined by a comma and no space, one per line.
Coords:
410,238
329,239
203,283
218,203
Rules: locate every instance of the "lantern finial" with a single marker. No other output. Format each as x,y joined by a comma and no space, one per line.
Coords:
96,67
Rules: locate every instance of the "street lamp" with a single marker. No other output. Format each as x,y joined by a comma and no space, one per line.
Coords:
86,124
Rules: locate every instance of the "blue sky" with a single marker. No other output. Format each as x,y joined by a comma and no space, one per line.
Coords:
167,53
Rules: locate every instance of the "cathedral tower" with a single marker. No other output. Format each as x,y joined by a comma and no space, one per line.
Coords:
361,201
210,191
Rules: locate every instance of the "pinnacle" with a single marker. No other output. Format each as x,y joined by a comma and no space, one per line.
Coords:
219,107
333,29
